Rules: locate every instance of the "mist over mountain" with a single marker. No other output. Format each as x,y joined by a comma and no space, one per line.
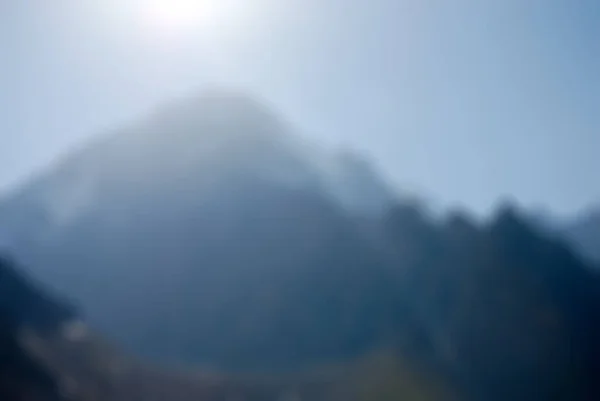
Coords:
210,235
189,147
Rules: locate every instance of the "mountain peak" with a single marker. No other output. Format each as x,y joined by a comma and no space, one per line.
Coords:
230,112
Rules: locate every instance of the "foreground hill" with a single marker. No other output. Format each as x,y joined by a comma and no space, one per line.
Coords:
208,236
46,354
23,306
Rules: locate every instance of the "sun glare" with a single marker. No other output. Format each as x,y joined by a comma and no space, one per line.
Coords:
181,15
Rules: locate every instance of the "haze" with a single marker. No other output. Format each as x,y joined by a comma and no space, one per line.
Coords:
465,101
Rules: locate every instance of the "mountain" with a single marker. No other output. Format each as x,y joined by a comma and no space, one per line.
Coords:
157,209
584,233
209,235
508,310
196,144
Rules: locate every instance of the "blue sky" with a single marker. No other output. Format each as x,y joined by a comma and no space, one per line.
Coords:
465,100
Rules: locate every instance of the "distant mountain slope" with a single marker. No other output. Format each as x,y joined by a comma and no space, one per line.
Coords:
206,235
584,233
581,231
186,149
217,190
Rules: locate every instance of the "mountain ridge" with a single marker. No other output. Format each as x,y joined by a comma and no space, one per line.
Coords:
252,259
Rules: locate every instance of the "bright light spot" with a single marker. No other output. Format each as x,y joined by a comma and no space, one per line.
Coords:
175,16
